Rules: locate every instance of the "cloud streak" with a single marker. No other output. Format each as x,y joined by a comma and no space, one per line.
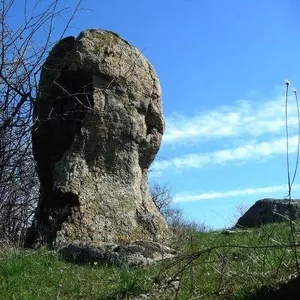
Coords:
244,118
188,197
232,155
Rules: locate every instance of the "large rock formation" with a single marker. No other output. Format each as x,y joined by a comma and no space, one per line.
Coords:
269,211
99,126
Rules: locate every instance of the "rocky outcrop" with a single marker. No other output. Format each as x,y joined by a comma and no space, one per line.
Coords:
269,211
98,127
138,253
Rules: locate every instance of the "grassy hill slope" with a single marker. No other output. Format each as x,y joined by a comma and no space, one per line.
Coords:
211,265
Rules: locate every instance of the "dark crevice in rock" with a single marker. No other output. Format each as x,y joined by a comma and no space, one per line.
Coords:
153,120
104,81
51,214
53,135
149,118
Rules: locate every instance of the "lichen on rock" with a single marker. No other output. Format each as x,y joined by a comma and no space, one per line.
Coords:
99,125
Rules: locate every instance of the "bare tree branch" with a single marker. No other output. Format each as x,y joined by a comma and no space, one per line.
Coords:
23,50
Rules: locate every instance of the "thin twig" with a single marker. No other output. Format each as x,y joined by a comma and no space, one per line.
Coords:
290,183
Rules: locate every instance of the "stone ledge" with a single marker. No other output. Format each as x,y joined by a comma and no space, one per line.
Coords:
138,253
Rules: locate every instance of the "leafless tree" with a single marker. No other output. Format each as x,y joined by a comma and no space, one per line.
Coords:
163,199
24,44
161,195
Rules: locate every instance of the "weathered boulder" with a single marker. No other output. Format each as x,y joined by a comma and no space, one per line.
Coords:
138,253
269,211
99,125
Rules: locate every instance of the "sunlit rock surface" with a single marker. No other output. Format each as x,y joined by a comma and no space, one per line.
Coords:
99,126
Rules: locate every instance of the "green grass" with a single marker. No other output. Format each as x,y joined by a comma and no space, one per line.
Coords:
212,265
236,265
42,275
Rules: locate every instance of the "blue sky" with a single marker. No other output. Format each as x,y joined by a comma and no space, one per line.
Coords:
222,66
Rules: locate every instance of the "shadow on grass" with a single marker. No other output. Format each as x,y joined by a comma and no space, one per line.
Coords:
289,291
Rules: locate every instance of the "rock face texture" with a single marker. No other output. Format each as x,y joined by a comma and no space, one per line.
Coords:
99,126
269,211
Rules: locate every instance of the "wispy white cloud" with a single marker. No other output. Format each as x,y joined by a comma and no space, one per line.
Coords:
251,118
188,197
232,155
